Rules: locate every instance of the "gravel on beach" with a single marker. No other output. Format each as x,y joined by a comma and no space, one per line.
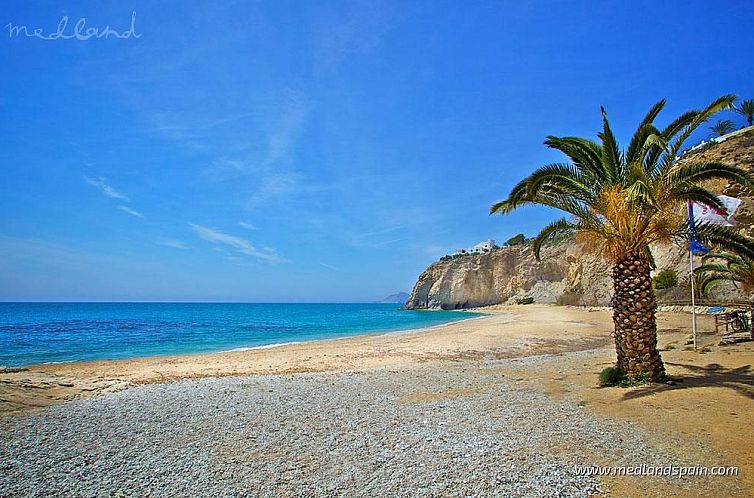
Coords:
455,429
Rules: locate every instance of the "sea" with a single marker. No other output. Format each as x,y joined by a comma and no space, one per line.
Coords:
34,333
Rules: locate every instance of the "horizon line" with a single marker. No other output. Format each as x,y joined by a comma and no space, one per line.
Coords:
193,302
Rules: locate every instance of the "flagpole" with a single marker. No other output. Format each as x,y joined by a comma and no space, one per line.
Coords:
691,274
693,298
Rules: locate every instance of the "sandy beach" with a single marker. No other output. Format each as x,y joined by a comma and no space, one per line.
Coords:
534,366
505,332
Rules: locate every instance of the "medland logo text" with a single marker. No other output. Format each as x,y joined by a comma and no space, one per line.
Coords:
78,31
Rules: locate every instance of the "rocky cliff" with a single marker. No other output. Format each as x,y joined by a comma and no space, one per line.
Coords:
510,273
567,273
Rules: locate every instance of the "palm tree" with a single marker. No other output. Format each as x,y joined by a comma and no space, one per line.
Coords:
723,127
721,267
747,109
620,202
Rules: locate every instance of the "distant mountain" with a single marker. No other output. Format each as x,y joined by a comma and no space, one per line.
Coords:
399,298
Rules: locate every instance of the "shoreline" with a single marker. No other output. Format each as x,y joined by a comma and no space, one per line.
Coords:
377,333
497,333
336,337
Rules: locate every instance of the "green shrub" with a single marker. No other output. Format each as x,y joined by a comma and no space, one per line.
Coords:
516,240
665,279
640,378
525,300
612,376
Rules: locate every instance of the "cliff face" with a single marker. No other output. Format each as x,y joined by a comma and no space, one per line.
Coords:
507,274
567,273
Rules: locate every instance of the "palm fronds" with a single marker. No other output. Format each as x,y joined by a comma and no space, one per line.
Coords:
722,127
628,199
722,267
746,108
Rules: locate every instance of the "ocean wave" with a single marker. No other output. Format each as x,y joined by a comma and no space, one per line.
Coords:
265,346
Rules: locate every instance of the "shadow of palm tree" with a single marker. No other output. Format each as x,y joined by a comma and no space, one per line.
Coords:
739,379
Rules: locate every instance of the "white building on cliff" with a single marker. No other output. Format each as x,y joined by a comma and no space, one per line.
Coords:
484,246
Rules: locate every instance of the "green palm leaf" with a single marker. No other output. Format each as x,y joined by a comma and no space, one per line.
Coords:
561,226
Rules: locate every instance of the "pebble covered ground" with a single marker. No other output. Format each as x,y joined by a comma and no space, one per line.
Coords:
457,429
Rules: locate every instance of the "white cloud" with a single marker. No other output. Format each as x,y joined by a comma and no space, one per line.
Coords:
105,188
108,191
175,244
246,225
130,211
243,246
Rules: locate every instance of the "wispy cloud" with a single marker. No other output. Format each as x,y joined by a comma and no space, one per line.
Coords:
376,238
174,243
361,29
283,186
387,242
331,267
275,185
130,211
101,184
242,246
265,161
282,138
226,168
247,225
381,232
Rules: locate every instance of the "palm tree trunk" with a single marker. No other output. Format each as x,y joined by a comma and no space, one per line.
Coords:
634,307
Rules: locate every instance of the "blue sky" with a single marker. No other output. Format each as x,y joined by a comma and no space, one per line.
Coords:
313,151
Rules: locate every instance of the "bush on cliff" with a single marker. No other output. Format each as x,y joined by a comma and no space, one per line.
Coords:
516,240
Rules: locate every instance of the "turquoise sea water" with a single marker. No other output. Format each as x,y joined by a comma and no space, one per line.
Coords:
58,332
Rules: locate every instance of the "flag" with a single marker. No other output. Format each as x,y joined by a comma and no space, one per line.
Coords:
713,216
695,247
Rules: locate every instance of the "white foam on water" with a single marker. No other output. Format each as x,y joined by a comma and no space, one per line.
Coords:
266,346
